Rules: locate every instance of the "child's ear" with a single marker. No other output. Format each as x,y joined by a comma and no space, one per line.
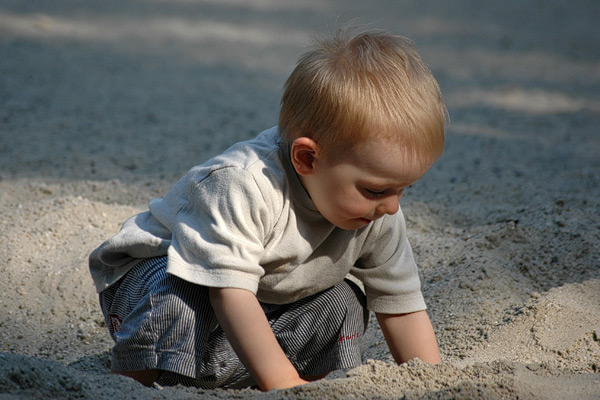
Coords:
304,153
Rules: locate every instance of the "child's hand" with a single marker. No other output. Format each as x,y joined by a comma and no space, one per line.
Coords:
285,384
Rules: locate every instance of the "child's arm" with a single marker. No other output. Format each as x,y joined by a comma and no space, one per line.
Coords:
250,335
410,336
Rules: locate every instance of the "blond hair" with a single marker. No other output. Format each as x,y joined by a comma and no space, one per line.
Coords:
371,85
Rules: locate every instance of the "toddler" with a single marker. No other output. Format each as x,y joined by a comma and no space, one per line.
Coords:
260,266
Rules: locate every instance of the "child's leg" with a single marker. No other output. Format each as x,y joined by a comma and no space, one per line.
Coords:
117,303
165,330
158,322
319,334
322,333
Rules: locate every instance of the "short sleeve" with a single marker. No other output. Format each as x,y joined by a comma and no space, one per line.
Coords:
388,270
218,234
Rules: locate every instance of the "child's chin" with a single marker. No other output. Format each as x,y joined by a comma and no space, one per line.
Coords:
354,224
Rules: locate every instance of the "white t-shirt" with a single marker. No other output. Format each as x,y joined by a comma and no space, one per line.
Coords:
244,220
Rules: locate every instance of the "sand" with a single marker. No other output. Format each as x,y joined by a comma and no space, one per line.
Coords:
104,104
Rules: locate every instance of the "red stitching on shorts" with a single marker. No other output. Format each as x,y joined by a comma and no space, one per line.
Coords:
115,322
344,338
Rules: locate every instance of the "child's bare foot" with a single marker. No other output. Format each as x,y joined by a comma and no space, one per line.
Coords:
146,377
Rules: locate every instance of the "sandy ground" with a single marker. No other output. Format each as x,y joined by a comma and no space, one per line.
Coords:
104,104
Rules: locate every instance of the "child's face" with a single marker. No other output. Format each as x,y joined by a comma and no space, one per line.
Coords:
358,187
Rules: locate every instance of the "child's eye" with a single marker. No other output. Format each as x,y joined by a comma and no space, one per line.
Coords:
375,193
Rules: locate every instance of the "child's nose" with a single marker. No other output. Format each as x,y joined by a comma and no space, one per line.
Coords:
390,205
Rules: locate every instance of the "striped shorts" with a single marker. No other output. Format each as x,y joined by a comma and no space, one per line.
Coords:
159,321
